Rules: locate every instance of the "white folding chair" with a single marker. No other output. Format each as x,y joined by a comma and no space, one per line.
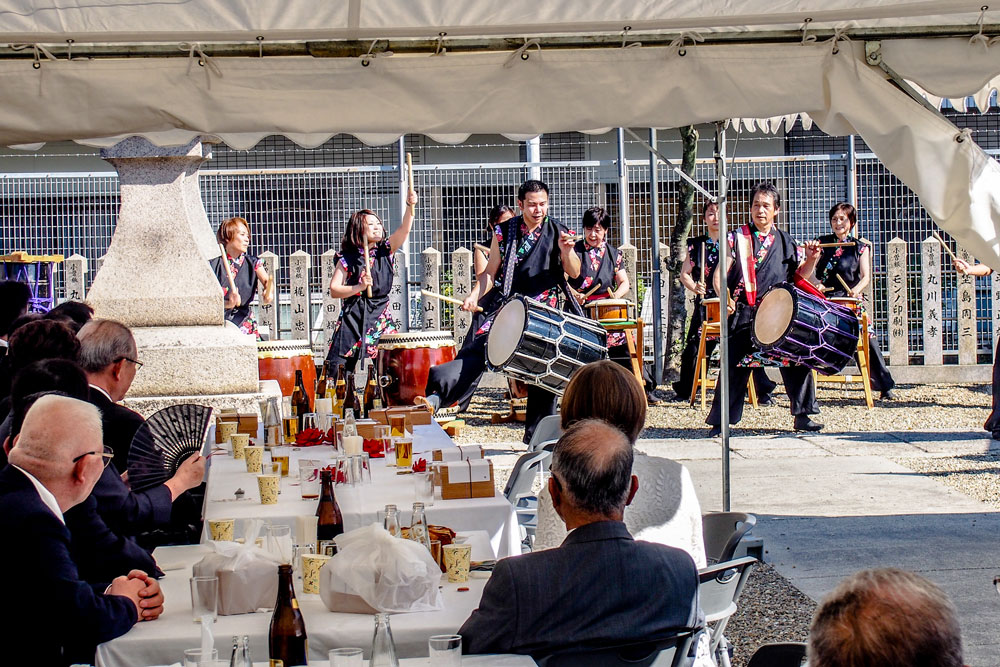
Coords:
548,430
520,494
719,587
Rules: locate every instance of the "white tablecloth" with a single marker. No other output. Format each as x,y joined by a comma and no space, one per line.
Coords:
162,642
361,504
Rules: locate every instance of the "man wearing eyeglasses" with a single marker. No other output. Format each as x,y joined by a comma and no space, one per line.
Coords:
109,356
56,460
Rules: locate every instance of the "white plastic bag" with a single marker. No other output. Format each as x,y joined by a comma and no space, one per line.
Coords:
248,575
388,573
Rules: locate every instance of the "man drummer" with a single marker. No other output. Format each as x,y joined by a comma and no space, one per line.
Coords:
762,256
529,255
603,276
699,279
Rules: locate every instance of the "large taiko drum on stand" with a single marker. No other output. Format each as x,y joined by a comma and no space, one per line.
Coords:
279,359
405,359
806,329
540,345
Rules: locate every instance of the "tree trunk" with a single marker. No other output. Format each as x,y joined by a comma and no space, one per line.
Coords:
677,317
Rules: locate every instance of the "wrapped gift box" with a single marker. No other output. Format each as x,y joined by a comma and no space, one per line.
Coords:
467,479
460,453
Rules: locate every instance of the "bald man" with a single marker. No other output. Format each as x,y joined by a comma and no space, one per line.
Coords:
600,587
56,460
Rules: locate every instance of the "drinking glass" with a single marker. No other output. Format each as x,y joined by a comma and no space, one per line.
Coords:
309,420
383,435
309,478
404,452
195,657
204,597
280,455
360,469
278,541
346,657
445,650
423,488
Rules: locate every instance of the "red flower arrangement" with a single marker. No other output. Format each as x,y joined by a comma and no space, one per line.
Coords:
374,447
420,465
338,475
310,437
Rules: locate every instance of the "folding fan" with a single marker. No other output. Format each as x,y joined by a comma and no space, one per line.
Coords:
164,441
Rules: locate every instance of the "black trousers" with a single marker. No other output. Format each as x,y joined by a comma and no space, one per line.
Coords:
880,376
689,359
993,422
798,381
456,381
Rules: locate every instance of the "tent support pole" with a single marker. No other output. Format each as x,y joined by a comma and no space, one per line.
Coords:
623,196
654,221
722,176
677,170
533,151
403,187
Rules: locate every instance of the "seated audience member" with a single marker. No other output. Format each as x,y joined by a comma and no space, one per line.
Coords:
667,510
99,554
14,299
885,618
73,314
108,355
55,462
599,588
33,341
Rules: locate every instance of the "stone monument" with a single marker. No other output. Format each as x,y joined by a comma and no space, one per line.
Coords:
156,279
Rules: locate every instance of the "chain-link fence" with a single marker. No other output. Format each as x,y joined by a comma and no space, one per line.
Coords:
307,208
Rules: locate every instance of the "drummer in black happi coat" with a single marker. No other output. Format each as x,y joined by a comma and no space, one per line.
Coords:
762,256
529,255
851,264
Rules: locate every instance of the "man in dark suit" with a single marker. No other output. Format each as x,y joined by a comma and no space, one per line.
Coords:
55,462
601,587
109,356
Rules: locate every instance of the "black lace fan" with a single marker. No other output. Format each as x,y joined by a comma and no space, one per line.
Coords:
164,441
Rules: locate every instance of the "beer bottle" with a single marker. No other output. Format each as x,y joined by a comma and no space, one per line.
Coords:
351,401
330,522
321,382
286,640
372,399
304,407
340,391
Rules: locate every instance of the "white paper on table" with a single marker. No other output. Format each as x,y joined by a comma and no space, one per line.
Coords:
458,472
470,451
479,470
305,529
450,454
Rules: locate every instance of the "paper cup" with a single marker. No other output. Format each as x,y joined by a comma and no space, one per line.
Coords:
254,457
225,430
456,562
240,442
311,565
269,485
221,530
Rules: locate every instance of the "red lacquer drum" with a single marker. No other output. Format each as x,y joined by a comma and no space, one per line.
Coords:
405,359
279,359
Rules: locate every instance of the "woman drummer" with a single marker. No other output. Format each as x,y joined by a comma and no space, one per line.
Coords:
247,272
853,265
365,316
603,276
499,214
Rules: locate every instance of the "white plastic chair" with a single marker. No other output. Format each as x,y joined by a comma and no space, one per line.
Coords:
719,587
548,431
520,494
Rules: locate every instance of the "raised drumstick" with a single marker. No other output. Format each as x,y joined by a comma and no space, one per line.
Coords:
592,290
229,273
838,244
844,283
368,264
483,249
442,297
944,245
702,263
409,175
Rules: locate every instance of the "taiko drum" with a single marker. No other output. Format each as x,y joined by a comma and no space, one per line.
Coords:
279,359
405,360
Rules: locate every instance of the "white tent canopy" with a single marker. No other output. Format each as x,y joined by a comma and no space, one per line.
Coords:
241,99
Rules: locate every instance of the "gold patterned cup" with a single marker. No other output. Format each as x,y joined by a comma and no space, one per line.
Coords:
456,562
240,442
226,430
221,530
311,565
269,486
254,458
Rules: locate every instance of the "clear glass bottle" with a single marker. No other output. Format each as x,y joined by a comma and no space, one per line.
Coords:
383,648
247,658
272,422
236,660
391,521
418,526
350,425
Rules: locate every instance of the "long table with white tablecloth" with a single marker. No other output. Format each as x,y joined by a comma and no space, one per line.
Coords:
162,642
360,504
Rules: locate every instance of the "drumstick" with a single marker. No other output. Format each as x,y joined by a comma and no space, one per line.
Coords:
409,175
229,273
839,244
481,248
702,263
844,283
592,290
442,297
944,245
368,264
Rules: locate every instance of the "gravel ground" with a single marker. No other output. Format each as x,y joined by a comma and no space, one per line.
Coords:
772,609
